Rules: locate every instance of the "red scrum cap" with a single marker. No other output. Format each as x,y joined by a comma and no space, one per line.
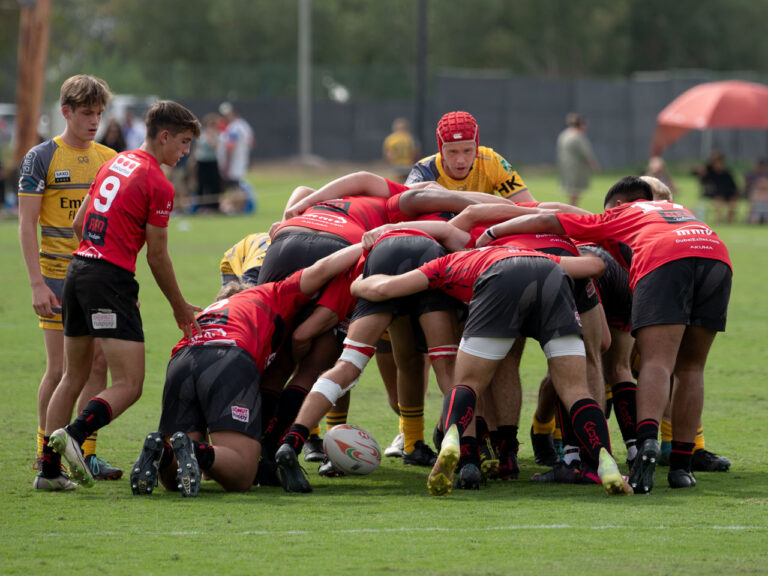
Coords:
455,127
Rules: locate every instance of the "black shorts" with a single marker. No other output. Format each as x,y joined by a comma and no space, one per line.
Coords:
101,300
398,255
523,296
614,289
690,291
584,291
212,388
293,251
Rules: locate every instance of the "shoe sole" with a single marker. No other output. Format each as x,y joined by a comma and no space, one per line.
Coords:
62,443
440,481
288,466
642,481
144,473
489,467
47,485
188,471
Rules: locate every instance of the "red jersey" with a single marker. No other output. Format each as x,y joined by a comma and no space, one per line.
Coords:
455,274
336,294
348,217
129,192
657,233
538,242
250,319
395,215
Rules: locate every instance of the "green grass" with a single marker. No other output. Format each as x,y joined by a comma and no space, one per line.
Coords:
386,522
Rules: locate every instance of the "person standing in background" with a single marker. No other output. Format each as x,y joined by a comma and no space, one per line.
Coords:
575,160
400,149
234,156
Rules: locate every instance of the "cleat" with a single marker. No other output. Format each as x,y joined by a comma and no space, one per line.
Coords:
396,447
641,476
38,464
328,470
706,461
147,467
440,481
577,472
185,456
101,469
292,476
469,477
610,477
421,455
266,474
489,461
61,482
63,443
508,468
544,452
681,479
313,449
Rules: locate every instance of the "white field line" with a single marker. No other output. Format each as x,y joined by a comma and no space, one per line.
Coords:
425,529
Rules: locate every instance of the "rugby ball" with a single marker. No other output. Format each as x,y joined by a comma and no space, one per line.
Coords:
352,449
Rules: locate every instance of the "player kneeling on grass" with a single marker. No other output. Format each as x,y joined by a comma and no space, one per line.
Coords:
212,384
511,292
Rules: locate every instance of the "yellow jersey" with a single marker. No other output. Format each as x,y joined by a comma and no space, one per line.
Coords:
246,254
61,176
399,149
490,173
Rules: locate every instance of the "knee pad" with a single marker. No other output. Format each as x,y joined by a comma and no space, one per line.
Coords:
357,353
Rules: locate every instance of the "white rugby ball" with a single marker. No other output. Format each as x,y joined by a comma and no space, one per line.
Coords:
352,449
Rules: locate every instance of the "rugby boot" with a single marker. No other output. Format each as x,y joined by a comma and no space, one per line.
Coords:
440,480
641,475
544,452
101,469
65,445
469,477
313,449
421,455
188,470
145,471
706,461
610,477
681,479
291,474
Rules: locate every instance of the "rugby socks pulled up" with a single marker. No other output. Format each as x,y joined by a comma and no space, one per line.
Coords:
291,399
335,418
590,427
625,407
459,407
50,465
296,437
89,446
412,419
681,456
40,437
204,453
96,414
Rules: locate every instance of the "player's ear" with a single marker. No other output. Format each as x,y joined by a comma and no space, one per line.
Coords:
66,111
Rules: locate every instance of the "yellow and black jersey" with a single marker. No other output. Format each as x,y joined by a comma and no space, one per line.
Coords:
399,149
490,173
245,255
60,175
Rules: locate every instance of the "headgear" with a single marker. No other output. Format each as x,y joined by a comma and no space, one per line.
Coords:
455,127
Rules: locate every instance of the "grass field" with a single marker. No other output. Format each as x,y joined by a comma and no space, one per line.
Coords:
386,522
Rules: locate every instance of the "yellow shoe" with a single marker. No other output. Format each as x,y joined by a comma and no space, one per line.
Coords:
610,476
440,481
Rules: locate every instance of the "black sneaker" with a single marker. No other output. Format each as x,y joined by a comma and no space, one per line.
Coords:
101,469
469,477
641,475
291,474
543,449
421,455
144,472
328,470
188,471
706,461
489,461
681,479
577,472
266,474
313,449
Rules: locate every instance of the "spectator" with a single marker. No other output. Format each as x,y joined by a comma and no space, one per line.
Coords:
400,149
717,183
134,131
658,169
575,159
208,175
756,185
234,156
113,136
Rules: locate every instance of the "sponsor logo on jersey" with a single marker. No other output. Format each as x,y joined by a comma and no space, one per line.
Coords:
61,176
240,413
693,230
124,165
29,160
83,160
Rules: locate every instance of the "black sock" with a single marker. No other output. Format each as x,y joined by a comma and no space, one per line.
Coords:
681,455
496,439
590,427
204,453
96,415
470,453
459,407
50,466
269,401
507,440
288,406
566,428
647,429
481,428
296,437
625,407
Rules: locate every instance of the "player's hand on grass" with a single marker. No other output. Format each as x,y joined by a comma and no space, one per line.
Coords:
44,301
